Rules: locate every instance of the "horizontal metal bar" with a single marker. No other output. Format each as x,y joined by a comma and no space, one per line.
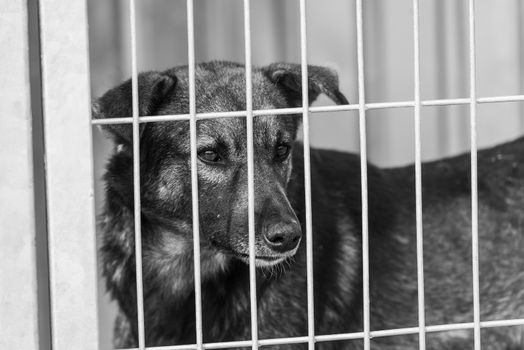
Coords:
510,98
502,323
346,336
210,115
447,102
319,109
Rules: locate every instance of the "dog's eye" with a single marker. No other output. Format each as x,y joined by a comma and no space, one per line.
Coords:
209,156
282,151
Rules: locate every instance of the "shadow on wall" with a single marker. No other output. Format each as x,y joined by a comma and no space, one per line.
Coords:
388,34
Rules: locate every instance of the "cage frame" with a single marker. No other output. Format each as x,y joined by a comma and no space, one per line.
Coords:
72,262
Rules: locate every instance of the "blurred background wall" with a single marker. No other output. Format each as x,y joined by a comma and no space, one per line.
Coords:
162,43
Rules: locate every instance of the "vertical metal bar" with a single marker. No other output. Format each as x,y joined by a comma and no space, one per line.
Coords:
69,174
18,276
136,180
307,177
418,179
194,171
520,43
474,182
363,174
250,175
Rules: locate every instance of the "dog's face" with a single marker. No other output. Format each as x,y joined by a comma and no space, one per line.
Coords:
222,157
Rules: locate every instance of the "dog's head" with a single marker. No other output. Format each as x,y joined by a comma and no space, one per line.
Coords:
222,156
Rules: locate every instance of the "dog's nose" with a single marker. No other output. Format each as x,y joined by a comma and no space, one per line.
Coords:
283,237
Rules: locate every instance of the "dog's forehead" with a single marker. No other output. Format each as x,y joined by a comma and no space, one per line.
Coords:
223,89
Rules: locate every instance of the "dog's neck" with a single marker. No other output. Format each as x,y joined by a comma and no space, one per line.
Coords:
171,261
168,279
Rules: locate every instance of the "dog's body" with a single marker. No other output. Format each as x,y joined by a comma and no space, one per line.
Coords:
279,207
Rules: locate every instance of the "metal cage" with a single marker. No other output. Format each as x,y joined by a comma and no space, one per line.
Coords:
69,253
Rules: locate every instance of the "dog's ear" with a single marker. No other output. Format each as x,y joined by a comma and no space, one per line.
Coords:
153,87
288,78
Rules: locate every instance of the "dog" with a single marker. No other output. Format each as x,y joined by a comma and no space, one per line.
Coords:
280,257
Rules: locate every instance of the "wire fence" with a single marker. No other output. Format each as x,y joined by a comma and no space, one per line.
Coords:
417,104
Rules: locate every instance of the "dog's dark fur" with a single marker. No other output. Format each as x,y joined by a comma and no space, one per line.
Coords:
279,202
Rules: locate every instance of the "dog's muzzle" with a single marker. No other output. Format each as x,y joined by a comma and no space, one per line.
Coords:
282,237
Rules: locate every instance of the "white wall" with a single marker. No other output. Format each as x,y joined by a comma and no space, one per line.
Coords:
18,273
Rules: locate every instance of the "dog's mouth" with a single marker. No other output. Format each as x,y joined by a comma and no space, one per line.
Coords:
260,260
